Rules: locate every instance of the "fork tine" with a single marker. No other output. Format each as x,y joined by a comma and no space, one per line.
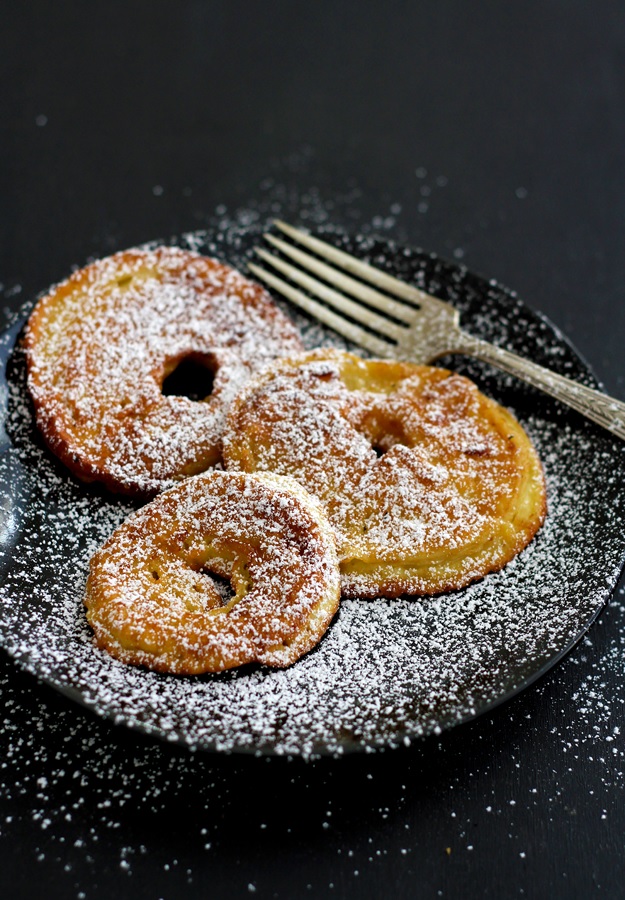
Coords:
357,267
354,310
352,332
344,282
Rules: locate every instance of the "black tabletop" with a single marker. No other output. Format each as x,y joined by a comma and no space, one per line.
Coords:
491,134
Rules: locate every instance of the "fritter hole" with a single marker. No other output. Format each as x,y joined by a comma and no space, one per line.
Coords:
190,379
221,585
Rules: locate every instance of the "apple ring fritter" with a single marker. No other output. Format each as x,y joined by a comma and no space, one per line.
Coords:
428,484
221,570
100,345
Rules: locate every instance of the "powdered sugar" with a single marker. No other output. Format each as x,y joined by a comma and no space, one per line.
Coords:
386,670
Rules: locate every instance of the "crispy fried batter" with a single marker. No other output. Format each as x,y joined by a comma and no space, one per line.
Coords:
101,344
152,597
428,484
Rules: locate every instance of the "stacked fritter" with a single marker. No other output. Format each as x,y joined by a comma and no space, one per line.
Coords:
365,477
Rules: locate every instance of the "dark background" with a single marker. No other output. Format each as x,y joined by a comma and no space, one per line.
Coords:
492,133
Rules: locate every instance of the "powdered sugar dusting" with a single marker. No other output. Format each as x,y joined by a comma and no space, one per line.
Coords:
386,671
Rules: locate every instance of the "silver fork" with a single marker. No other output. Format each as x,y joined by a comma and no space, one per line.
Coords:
429,327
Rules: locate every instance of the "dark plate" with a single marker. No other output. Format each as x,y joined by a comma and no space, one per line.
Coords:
386,671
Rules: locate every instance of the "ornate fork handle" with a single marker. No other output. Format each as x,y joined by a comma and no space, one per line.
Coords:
601,408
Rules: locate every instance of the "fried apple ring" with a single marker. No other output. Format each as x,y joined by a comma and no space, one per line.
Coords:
152,598
428,484
100,345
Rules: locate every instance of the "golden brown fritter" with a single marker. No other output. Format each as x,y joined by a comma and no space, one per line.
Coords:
101,344
428,484
155,592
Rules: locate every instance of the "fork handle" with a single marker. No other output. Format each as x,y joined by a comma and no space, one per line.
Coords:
598,407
